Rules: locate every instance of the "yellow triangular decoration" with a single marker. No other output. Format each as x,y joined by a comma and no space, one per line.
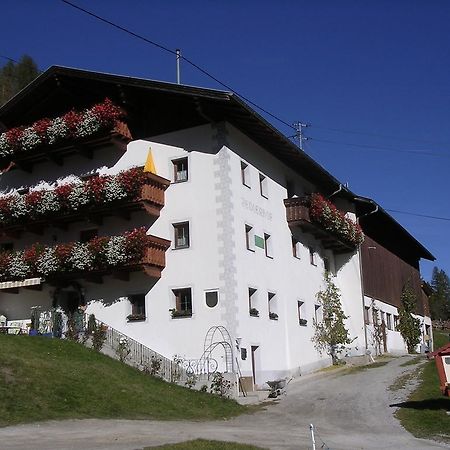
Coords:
149,164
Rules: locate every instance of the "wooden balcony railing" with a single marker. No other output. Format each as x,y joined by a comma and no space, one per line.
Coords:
298,215
151,200
118,137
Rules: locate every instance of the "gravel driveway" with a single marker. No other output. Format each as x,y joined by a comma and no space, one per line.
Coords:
349,412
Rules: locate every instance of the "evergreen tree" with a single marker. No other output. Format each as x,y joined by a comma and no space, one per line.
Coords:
440,298
330,334
408,325
15,76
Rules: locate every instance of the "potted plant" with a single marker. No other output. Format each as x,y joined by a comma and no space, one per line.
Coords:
254,312
180,313
136,317
273,316
302,322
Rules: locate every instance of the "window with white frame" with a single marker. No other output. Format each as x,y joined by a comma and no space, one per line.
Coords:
183,302
272,303
137,307
295,247
318,313
181,235
312,256
268,245
249,238
180,170
252,305
263,182
395,323
389,321
301,313
245,174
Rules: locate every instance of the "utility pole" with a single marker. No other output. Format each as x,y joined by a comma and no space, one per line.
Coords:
178,52
299,137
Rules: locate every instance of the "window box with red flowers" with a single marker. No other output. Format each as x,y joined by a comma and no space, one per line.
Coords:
71,199
73,132
323,220
131,251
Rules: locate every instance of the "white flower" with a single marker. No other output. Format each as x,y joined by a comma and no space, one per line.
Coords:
30,139
48,203
69,179
5,148
78,197
114,190
17,266
115,251
18,206
57,130
48,262
80,258
89,125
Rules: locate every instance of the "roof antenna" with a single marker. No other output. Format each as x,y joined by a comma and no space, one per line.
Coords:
178,52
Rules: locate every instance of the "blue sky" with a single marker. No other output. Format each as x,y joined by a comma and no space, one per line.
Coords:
362,73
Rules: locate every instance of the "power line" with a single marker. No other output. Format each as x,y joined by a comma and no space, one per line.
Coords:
383,149
173,52
386,136
419,215
9,59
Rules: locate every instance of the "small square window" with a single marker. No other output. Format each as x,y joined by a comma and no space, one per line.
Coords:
180,170
137,307
301,313
249,238
245,174
253,311
183,302
181,235
263,186
312,256
87,235
268,245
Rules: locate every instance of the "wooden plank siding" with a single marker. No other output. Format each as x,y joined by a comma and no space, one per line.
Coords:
385,275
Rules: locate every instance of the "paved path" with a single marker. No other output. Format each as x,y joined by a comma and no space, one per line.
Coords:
349,412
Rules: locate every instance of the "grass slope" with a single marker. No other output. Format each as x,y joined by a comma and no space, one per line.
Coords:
42,379
202,444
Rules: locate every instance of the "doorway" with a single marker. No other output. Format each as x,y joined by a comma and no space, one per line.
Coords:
254,349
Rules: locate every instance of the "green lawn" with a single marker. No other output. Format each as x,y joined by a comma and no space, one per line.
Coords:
440,338
424,414
201,444
43,379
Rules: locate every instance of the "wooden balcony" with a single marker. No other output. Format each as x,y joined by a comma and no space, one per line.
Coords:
297,215
152,264
118,137
151,200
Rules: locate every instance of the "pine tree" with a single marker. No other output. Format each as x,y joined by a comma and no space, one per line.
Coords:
440,298
408,325
15,76
330,334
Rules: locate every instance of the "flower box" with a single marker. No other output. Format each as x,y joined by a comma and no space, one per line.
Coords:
303,322
74,132
136,317
71,199
254,312
178,313
319,217
131,251
273,316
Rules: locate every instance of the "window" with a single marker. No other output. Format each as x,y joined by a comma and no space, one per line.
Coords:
295,248
374,315
271,299
326,264
245,174
7,247
180,170
252,302
389,321
318,315
263,186
249,238
137,307
290,188
181,237
395,323
301,313
211,298
367,315
268,245
312,256
183,303
87,235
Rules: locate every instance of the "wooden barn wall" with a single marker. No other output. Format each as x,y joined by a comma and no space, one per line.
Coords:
385,274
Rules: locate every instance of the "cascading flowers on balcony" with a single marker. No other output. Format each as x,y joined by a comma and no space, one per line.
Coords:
329,217
98,254
69,195
73,125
